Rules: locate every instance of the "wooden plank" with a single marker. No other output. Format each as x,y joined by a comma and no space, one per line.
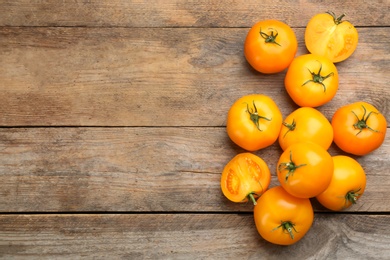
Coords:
139,169
173,13
192,236
157,77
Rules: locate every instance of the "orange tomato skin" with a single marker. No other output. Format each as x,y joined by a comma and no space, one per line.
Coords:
350,138
348,177
276,206
306,124
311,170
243,175
269,57
326,36
302,86
244,132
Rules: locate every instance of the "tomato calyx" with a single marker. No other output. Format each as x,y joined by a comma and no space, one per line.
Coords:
337,20
269,38
291,127
362,122
352,196
318,78
289,166
254,115
288,227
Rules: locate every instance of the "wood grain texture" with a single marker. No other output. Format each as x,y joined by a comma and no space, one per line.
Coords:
157,77
139,169
176,13
112,136
190,236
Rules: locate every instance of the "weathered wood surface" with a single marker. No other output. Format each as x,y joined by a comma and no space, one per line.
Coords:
157,77
176,13
139,169
190,236
112,135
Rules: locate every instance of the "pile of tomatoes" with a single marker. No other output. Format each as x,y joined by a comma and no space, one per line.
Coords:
305,170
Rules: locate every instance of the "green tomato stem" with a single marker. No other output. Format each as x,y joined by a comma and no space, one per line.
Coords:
252,198
287,227
254,115
362,122
352,196
289,166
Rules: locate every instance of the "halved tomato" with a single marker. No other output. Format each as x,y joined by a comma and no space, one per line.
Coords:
330,36
246,176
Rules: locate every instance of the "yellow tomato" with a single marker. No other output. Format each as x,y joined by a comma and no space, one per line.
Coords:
281,218
254,122
305,170
311,80
359,128
306,124
270,46
347,184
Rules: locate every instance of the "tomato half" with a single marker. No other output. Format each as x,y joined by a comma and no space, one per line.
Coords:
311,80
305,170
329,36
306,124
245,176
347,185
359,128
254,122
270,46
281,218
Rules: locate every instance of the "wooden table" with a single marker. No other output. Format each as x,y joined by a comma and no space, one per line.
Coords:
113,139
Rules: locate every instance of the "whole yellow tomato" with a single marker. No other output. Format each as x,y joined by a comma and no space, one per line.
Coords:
359,128
311,80
306,124
347,184
281,218
305,170
331,37
254,122
270,46
246,176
